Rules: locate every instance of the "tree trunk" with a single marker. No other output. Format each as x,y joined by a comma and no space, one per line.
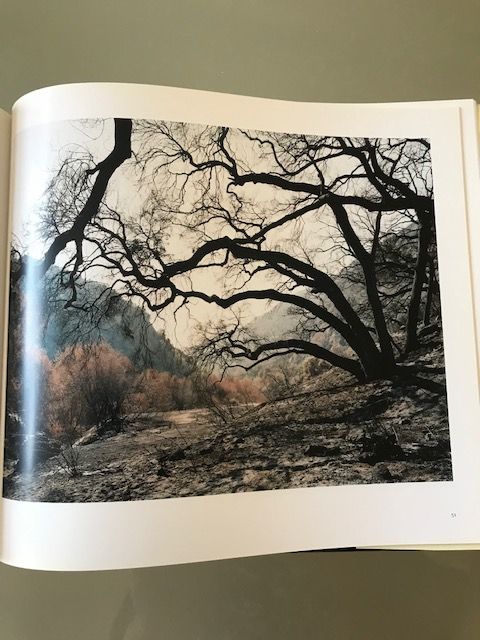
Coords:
103,171
432,286
425,232
385,365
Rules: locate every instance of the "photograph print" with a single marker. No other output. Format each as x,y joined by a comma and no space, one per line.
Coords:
200,310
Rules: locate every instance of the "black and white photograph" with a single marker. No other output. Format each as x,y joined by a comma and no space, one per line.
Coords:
199,310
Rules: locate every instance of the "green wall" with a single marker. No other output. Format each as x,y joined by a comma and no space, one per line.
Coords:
337,50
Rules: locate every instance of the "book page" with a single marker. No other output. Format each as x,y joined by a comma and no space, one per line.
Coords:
470,115
237,326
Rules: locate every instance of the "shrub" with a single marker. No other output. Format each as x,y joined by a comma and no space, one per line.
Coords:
89,386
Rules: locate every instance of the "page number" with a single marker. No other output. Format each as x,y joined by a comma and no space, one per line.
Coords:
453,514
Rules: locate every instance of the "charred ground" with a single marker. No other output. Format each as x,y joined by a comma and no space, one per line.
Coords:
331,431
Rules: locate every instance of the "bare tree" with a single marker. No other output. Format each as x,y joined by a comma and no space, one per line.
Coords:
247,202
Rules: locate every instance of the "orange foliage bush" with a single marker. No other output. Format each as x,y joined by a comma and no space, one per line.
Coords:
95,385
160,391
89,385
153,391
241,390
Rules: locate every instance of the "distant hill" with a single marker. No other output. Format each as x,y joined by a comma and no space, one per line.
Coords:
275,323
282,321
122,324
396,258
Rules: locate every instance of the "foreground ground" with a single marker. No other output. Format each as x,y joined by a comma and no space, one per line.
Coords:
332,431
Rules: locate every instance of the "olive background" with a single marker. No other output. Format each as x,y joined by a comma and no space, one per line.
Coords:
341,51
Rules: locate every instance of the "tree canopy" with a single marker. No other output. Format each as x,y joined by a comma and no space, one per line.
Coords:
339,229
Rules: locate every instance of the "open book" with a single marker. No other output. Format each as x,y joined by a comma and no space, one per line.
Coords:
236,326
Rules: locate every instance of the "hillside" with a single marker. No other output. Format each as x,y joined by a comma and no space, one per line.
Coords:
328,431
125,327
395,266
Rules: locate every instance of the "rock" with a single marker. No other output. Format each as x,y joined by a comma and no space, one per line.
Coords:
160,455
177,454
126,494
267,465
297,465
378,446
203,449
88,437
55,494
321,450
429,330
105,493
433,450
355,437
108,434
162,473
422,394
257,480
381,473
